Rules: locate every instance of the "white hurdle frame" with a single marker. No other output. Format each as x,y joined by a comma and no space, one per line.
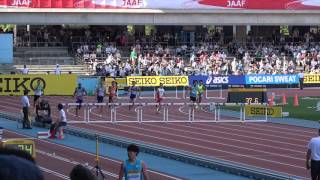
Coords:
220,93
139,108
67,106
154,95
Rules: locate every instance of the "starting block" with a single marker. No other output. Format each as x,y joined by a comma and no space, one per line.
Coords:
43,135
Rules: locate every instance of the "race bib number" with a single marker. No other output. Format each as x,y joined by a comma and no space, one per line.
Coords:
134,176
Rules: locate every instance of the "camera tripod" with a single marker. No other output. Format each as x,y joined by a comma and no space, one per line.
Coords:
98,170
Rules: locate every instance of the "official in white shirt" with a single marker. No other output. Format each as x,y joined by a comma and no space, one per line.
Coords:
25,109
57,71
62,121
25,70
301,78
313,156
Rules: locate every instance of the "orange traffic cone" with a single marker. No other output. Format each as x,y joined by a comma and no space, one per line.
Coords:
271,102
296,101
284,100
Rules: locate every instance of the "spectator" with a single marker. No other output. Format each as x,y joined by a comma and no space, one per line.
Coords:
18,165
133,168
80,172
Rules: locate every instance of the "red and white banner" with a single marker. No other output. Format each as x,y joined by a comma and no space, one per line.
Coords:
167,4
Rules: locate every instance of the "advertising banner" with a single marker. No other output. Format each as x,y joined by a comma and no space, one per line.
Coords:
153,81
166,4
89,83
64,84
272,79
6,49
311,79
121,82
275,112
218,80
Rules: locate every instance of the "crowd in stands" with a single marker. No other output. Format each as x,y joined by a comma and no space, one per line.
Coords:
205,59
109,53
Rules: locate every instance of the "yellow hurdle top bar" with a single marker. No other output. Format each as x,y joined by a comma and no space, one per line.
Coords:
247,90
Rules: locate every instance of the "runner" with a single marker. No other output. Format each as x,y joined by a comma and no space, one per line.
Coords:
113,89
79,93
193,91
100,92
159,97
38,91
133,90
201,88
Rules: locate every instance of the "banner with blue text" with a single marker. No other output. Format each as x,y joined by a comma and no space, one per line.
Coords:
272,79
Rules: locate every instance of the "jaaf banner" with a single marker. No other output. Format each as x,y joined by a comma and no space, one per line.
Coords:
167,4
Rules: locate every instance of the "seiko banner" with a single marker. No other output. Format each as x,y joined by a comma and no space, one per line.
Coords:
272,79
167,4
218,80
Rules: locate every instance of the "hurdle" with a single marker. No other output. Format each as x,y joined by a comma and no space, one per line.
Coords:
220,90
210,112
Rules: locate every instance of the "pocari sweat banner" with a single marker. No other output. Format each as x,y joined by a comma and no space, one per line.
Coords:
272,79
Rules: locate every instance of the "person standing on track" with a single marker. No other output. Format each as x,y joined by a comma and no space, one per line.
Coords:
25,109
159,96
113,89
301,79
133,91
313,157
100,92
133,168
38,91
79,93
201,88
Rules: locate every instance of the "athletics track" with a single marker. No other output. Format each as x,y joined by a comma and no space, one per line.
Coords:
280,148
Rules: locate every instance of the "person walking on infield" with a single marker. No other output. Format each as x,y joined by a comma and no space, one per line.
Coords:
133,91
133,168
38,91
79,93
25,109
100,92
113,89
62,121
159,96
313,157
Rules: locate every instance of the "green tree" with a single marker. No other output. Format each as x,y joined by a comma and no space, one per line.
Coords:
130,29
6,27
